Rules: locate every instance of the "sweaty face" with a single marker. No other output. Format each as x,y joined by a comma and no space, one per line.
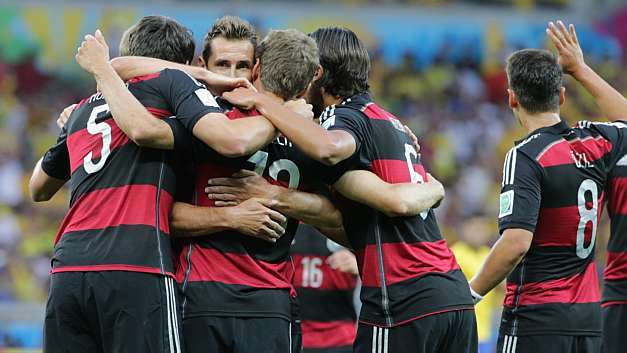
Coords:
232,58
314,97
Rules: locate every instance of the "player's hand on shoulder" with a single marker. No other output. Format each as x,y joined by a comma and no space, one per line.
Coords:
244,98
93,53
343,261
241,186
413,137
300,107
65,115
570,55
220,83
255,218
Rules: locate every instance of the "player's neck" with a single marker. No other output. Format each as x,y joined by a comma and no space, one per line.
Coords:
533,122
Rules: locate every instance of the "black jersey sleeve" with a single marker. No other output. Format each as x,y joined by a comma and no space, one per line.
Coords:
56,161
182,137
615,133
351,121
188,99
519,203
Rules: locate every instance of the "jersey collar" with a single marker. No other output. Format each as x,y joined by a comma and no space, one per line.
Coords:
553,130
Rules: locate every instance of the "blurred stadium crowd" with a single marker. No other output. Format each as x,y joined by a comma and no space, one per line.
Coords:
457,108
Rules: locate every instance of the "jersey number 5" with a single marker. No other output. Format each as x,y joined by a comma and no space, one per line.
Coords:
104,130
410,152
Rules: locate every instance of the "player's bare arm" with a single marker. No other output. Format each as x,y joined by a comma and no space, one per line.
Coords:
570,56
43,186
231,138
394,200
128,67
328,147
253,217
312,209
508,251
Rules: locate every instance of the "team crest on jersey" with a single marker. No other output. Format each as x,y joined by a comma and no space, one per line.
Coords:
506,203
622,162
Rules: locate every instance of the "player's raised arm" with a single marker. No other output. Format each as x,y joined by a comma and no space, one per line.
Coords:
612,104
128,67
253,217
395,200
328,147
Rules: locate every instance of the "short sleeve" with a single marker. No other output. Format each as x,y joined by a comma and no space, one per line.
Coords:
182,137
351,121
519,202
615,133
189,100
56,161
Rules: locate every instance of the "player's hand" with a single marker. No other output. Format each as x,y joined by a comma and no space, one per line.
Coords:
220,83
65,115
300,107
570,55
241,186
255,218
244,98
343,261
93,54
437,188
413,137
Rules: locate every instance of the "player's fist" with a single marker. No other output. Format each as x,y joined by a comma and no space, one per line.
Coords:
245,98
343,261
570,55
220,83
93,54
300,107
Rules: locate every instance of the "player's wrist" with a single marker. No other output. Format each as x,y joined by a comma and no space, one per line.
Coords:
476,297
580,71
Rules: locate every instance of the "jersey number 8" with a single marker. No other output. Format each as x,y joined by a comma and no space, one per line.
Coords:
586,215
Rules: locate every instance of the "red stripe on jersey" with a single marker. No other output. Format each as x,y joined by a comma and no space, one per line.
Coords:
81,143
373,111
109,267
403,261
81,102
579,288
616,268
558,226
567,152
237,113
204,172
617,194
211,265
159,113
144,78
309,267
317,334
111,207
395,171
619,302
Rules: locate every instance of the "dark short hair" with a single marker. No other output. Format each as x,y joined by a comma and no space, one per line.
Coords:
536,78
231,28
345,61
159,37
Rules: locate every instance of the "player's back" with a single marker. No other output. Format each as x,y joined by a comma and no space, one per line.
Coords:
553,184
615,274
325,294
406,267
121,194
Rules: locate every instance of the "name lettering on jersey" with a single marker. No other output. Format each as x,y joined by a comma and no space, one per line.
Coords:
95,97
581,160
506,203
622,162
283,141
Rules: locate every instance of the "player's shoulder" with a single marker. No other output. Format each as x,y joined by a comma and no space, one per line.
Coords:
608,130
334,113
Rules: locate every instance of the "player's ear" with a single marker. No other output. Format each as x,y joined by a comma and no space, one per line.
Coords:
318,74
201,62
562,95
256,69
512,99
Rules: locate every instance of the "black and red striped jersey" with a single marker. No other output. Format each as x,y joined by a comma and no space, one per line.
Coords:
615,274
325,294
553,186
232,274
121,194
406,267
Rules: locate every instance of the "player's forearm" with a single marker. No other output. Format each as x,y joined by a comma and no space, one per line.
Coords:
312,209
413,199
128,67
41,186
234,138
503,258
129,114
190,220
613,105
337,234
310,137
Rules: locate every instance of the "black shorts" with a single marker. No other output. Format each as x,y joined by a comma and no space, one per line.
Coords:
449,332
548,344
240,335
615,328
111,312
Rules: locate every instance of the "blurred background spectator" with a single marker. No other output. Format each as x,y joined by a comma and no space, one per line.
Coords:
437,64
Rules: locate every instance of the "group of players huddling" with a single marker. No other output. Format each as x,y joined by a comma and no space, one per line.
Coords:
202,198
